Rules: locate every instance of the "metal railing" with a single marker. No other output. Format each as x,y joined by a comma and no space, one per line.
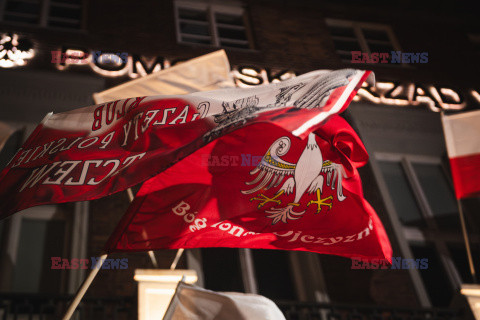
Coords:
45,307
49,307
331,311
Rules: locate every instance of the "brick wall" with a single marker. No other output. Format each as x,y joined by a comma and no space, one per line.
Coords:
287,35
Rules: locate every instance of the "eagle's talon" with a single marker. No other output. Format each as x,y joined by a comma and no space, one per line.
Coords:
284,214
293,204
321,202
264,199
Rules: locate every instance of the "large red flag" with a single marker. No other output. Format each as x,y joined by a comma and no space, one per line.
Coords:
95,151
261,187
462,136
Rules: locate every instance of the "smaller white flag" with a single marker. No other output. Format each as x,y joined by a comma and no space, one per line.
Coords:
205,73
462,137
194,303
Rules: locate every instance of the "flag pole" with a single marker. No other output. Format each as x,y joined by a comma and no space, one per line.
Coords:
177,258
460,209
150,252
467,242
83,288
89,279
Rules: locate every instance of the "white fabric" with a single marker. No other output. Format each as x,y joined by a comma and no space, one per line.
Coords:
462,133
307,91
194,303
208,72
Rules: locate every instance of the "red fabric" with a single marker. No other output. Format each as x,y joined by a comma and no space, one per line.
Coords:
198,202
466,175
95,151
27,185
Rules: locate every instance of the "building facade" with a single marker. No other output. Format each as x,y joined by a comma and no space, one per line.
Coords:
431,67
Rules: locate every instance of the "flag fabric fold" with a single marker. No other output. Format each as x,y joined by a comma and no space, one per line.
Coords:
192,302
462,136
261,187
95,151
205,73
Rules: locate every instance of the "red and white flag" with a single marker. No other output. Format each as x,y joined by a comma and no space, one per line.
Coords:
261,187
95,151
462,136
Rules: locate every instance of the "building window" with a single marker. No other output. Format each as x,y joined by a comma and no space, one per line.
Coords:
65,14
32,238
351,36
420,194
39,239
250,270
217,25
222,274
267,277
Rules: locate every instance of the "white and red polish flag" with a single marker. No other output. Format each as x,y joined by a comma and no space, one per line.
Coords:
95,151
261,187
462,136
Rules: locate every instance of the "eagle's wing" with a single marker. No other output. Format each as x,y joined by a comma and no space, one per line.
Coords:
320,91
335,174
272,169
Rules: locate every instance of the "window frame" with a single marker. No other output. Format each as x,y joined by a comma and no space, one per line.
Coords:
45,213
358,28
307,274
407,235
44,16
211,8
76,231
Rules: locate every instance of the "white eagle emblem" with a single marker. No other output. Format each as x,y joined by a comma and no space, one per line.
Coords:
307,177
